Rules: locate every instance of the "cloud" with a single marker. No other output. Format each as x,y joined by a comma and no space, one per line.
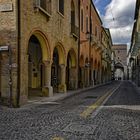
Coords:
122,34
96,1
119,17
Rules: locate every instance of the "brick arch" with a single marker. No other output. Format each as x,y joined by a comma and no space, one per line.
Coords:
61,52
44,43
73,57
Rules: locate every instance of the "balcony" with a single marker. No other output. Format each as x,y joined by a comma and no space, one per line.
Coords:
74,30
44,6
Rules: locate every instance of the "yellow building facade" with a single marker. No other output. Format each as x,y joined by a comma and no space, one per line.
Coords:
45,48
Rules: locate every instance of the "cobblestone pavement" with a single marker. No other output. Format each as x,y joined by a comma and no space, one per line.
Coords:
116,119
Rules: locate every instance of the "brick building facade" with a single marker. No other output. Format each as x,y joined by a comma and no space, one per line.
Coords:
43,36
121,61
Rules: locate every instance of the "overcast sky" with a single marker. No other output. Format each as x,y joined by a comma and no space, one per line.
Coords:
118,16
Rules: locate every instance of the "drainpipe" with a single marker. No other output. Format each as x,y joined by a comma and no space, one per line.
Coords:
18,53
79,46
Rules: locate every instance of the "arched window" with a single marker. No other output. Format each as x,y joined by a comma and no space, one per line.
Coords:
61,6
72,13
82,19
86,24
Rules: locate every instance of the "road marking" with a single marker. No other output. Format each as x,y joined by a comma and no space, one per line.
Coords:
57,138
90,109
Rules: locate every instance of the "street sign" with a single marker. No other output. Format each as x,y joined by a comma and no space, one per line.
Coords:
4,48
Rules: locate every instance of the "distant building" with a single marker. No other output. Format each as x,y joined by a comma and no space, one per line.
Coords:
120,61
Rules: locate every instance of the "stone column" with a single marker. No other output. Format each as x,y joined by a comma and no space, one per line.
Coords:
73,77
47,88
62,86
92,79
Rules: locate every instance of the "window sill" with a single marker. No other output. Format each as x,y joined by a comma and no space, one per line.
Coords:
60,14
43,11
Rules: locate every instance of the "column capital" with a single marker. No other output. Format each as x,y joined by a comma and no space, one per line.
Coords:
47,62
62,65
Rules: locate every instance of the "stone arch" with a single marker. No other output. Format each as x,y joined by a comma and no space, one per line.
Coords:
119,71
95,72
38,51
71,68
72,56
81,71
44,43
57,68
61,53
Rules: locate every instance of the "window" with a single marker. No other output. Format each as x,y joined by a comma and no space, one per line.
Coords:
44,6
86,24
72,13
82,18
96,31
91,25
61,6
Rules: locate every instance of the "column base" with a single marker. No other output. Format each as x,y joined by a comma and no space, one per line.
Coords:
47,91
62,88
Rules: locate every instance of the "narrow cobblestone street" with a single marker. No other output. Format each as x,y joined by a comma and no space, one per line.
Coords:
109,112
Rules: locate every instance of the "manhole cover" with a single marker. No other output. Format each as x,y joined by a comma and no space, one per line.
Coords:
90,97
82,128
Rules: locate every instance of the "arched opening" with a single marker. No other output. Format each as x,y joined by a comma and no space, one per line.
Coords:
71,70
103,75
119,71
35,67
106,74
98,73
55,70
91,72
95,72
81,72
86,72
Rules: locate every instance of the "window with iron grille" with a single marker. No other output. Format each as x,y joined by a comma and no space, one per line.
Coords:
61,6
44,5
